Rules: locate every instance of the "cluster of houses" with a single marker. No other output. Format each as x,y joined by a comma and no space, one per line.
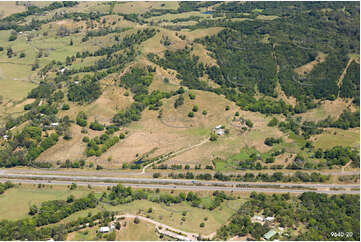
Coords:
174,235
219,130
106,229
273,231
160,230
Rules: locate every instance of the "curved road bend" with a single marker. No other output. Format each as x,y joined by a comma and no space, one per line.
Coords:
182,187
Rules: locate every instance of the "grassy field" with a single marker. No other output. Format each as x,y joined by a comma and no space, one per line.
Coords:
131,232
172,215
327,108
15,202
334,137
8,8
137,232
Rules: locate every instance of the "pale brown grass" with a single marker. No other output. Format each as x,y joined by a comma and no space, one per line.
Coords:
307,68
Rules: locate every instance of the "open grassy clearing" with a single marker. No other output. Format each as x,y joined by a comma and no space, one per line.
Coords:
307,68
267,17
169,17
203,55
130,232
88,234
10,7
172,215
15,202
333,137
201,126
137,232
14,81
327,108
153,44
142,7
102,110
200,33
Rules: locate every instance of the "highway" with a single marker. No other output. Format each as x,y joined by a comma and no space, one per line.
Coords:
174,181
180,187
137,173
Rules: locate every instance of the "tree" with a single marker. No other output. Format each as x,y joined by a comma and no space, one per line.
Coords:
65,107
191,114
73,186
192,96
33,210
136,220
179,101
213,137
117,225
273,122
70,199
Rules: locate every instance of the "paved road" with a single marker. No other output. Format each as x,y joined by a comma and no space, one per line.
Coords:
131,173
174,181
181,187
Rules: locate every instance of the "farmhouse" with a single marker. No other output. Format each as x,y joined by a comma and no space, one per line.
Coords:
258,218
270,219
269,234
220,132
104,229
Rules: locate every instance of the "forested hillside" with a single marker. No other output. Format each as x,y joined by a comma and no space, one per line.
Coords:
94,74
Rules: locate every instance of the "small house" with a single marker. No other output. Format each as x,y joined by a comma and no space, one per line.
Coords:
270,219
258,218
218,126
104,229
220,132
54,124
63,69
270,234
6,137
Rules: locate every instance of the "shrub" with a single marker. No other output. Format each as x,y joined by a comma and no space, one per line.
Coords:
96,126
65,107
213,137
192,96
273,122
81,119
156,175
249,123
